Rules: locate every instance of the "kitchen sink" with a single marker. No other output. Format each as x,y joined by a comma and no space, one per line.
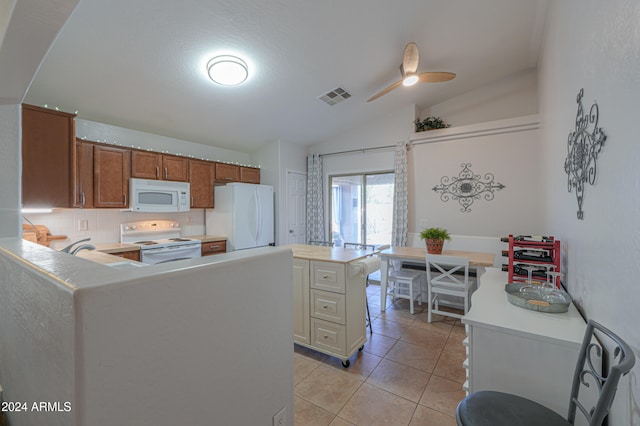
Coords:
125,264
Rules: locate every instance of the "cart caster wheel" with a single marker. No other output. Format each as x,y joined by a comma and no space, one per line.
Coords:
346,363
361,348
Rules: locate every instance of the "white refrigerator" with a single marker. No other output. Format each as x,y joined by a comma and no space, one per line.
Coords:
243,213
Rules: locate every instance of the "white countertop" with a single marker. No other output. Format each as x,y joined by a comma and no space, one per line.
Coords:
490,308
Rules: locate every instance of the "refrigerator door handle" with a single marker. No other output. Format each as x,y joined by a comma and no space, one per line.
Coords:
256,200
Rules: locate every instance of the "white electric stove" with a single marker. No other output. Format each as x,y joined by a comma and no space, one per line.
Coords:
159,241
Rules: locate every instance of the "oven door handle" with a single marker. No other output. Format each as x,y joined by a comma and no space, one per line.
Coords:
174,260
178,249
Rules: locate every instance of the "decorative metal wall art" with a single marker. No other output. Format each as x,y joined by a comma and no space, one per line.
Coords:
583,147
467,187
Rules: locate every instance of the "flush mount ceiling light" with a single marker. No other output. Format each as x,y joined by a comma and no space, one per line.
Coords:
227,70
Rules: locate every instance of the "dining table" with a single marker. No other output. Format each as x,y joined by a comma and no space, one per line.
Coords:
417,255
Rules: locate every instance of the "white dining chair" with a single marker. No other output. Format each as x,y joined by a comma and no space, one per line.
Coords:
405,284
446,275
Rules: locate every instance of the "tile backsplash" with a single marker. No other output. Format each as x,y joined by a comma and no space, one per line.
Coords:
103,225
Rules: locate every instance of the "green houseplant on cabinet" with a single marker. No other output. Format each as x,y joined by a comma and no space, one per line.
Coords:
435,238
430,123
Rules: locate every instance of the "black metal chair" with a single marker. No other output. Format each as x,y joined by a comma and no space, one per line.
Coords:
490,408
372,248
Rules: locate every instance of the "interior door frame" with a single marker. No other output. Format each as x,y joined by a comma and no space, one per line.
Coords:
288,215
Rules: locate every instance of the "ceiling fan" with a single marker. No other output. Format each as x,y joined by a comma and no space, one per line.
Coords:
410,76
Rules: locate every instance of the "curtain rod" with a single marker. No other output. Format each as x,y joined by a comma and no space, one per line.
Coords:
361,150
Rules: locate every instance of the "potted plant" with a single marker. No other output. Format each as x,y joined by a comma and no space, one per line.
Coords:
430,123
434,238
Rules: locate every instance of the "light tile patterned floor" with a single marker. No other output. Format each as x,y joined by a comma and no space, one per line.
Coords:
409,373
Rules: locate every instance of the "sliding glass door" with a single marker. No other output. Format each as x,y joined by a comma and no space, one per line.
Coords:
361,208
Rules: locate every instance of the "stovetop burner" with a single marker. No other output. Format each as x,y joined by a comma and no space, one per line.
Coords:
146,243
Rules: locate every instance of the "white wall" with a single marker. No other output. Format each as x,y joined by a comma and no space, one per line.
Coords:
10,171
513,96
596,46
104,224
106,133
161,345
511,157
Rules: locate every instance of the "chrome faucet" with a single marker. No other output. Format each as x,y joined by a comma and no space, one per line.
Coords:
82,247
68,248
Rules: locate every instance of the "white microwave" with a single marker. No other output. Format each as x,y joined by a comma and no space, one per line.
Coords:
148,195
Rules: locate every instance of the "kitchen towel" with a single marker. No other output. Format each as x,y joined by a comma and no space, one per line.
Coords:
366,266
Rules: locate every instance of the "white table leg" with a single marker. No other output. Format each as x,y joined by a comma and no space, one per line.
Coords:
384,273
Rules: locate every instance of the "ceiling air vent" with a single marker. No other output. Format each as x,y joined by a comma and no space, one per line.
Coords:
335,96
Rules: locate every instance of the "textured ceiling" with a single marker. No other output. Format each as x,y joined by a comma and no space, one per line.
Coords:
140,64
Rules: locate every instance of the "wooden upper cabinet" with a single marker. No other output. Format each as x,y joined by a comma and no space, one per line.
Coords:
249,175
201,179
83,194
152,165
227,172
146,165
47,156
175,168
111,172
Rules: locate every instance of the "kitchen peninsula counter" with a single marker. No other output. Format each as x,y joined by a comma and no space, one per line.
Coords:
100,337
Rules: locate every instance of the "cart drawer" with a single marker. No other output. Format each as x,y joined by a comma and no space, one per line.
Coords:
328,306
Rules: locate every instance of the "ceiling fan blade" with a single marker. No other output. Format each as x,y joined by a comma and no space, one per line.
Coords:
410,59
385,91
436,77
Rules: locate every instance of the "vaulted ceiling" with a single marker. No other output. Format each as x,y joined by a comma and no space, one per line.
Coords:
140,64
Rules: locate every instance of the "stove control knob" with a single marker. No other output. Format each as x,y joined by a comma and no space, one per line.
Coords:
132,227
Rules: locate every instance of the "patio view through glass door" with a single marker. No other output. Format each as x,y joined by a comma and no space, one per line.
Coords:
361,208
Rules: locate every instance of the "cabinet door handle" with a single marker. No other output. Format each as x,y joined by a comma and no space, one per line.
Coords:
125,199
325,277
192,201
166,174
82,199
214,247
157,172
325,307
228,178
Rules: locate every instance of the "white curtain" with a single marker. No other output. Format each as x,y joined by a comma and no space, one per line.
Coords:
315,207
400,197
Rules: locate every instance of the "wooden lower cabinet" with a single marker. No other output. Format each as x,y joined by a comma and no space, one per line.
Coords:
214,247
131,255
329,307
111,171
201,179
